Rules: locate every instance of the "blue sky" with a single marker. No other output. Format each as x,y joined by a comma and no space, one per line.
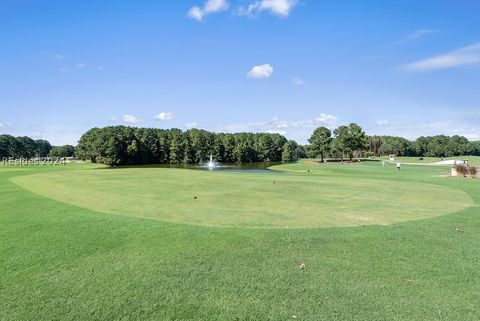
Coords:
406,68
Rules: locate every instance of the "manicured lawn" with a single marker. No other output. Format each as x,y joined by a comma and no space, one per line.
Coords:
79,243
248,200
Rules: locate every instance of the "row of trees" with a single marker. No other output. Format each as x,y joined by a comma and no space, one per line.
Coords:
120,145
430,146
351,140
25,147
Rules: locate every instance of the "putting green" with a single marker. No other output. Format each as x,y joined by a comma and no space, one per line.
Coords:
246,200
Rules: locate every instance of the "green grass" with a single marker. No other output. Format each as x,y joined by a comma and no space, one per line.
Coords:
247,200
62,261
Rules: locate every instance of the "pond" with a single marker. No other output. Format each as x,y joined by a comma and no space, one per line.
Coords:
256,168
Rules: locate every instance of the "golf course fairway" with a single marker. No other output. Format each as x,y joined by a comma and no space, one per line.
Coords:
85,242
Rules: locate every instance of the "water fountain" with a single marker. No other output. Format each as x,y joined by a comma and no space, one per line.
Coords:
211,163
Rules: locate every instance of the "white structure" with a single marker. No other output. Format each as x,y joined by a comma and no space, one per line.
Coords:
454,172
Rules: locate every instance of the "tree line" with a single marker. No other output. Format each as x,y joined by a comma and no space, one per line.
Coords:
26,147
429,146
120,145
352,141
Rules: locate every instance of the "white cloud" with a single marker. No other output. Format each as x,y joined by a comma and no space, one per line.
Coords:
298,130
211,6
463,56
297,81
191,125
326,120
381,122
114,119
100,68
418,34
260,72
278,7
456,123
129,119
58,56
64,69
81,65
277,125
165,116
274,131
5,125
